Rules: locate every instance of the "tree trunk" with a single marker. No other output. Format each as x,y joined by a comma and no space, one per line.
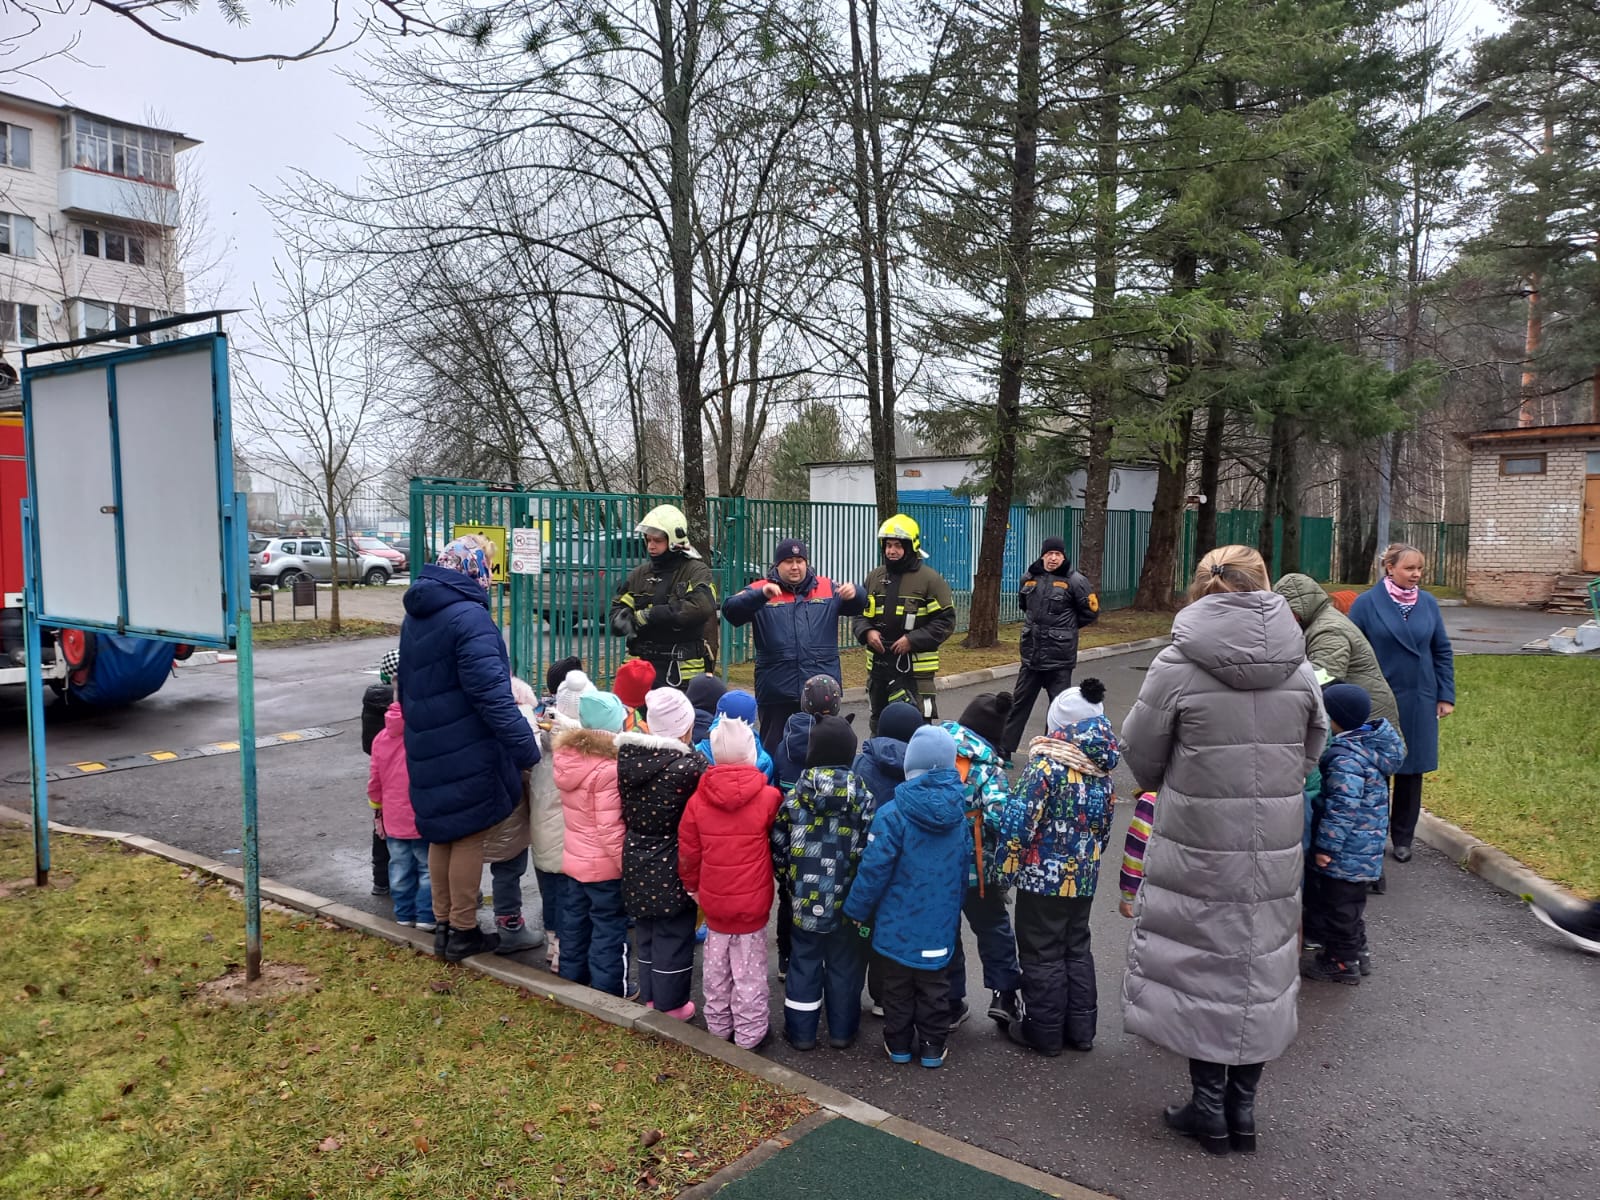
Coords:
1355,559
676,74
886,475
1270,489
333,554
1289,502
1158,575
1108,133
871,208
1205,523
983,627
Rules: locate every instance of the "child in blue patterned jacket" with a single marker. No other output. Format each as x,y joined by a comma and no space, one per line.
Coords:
1350,823
1052,835
816,846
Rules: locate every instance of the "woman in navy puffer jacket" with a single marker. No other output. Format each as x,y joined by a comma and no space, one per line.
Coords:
466,743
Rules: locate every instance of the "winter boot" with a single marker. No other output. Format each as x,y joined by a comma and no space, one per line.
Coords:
441,937
1004,1007
1330,970
1203,1118
464,943
516,936
1239,1106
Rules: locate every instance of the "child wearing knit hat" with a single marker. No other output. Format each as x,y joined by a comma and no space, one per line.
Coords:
1051,836
741,705
908,889
726,864
657,772
632,682
978,737
1350,821
593,924
817,842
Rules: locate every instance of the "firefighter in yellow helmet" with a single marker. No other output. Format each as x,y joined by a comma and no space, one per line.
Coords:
909,615
666,603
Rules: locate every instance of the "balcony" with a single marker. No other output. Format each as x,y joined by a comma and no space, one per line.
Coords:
95,194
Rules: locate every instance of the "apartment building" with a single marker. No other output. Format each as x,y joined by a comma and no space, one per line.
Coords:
90,219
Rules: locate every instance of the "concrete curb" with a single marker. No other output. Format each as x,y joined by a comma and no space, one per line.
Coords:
1491,864
1010,670
612,1009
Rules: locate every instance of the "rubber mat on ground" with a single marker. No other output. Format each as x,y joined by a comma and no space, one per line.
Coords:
843,1160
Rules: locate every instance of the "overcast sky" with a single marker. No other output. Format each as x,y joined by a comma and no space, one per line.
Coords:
258,123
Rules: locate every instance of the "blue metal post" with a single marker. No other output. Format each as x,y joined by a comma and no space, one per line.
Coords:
35,689
247,749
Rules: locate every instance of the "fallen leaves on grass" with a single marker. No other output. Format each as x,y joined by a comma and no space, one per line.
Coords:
245,1086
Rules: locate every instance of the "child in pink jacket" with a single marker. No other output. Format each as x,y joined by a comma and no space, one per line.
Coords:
593,923
389,793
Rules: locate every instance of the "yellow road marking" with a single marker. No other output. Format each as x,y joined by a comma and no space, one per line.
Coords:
162,755
226,745
90,766
288,737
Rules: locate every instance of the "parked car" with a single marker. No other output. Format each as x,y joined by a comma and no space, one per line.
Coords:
281,561
375,545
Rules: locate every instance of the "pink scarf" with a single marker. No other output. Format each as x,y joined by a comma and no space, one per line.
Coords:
1402,596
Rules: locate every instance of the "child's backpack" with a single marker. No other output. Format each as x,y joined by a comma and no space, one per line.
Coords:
375,702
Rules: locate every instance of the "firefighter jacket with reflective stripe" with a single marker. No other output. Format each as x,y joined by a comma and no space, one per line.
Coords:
1055,605
671,606
916,603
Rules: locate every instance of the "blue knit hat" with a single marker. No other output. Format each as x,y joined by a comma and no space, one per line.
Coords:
738,703
898,721
601,710
1348,706
929,749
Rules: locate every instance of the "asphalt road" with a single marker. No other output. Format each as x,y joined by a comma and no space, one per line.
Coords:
1467,1066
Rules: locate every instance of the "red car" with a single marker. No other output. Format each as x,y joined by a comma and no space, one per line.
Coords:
382,549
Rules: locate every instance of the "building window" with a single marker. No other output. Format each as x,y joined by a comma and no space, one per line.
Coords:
117,150
16,235
1522,464
19,323
16,146
1592,463
113,246
99,316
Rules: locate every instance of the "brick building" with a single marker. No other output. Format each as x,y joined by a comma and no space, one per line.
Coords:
1535,523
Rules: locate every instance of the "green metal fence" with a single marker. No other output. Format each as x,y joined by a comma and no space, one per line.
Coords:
586,546
1242,527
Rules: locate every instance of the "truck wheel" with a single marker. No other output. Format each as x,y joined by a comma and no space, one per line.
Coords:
78,649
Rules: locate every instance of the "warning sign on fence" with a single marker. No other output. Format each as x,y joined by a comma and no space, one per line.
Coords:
527,552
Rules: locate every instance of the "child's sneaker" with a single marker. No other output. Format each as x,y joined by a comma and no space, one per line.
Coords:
1364,962
427,926
897,1056
406,924
873,1009
931,1061
684,1012
1330,970
959,1017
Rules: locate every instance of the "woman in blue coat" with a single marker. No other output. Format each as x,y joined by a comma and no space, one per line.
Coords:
796,616
467,743
1407,633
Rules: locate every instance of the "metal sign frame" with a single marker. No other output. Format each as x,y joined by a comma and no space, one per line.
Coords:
233,584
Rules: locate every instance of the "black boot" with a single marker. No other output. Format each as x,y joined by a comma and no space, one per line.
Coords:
441,938
1202,1118
1239,1105
464,943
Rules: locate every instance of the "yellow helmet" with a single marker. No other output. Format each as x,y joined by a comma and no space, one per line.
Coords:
902,529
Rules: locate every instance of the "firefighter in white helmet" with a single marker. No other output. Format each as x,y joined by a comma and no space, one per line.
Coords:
909,615
664,606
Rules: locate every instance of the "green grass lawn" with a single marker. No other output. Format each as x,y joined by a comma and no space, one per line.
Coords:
396,1076
295,633
1520,762
1123,625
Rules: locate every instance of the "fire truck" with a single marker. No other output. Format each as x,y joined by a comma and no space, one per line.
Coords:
80,665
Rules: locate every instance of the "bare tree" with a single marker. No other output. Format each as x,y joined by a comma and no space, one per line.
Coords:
312,384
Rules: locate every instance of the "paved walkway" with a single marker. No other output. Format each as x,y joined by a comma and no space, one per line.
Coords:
1465,1067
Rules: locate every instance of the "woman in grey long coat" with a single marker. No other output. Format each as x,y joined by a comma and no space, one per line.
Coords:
1227,725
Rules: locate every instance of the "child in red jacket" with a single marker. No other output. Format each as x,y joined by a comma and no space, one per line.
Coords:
725,862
